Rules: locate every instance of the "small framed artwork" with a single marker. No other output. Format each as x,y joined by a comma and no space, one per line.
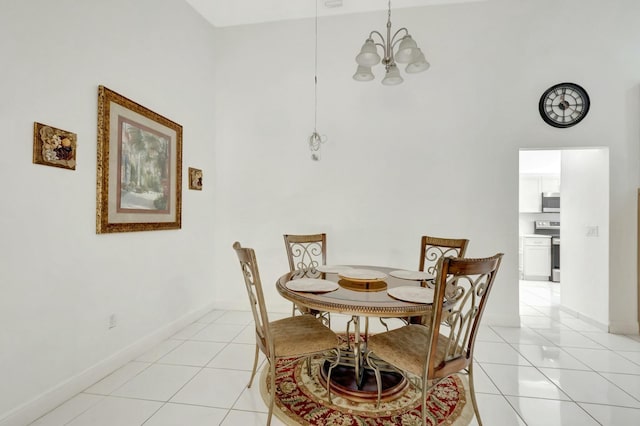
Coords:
139,173
195,179
54,147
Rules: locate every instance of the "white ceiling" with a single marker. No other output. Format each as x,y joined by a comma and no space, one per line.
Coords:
225,13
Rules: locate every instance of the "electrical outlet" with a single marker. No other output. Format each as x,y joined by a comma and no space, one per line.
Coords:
592,231
113,321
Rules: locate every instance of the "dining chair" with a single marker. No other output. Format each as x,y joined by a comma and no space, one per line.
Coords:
305,253
289,338
431,354
432,249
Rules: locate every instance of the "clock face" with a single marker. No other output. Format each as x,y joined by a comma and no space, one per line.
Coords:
564,105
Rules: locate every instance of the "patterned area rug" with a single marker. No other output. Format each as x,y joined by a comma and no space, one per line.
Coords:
302,400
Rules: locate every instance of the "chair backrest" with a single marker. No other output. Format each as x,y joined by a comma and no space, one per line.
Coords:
305,253
249,266
433,248
461,293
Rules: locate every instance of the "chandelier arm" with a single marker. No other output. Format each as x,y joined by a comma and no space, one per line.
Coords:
395,41
374,32
382,43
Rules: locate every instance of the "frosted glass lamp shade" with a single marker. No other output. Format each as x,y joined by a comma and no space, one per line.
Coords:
363,74
419,65
368,55
393,76
407,50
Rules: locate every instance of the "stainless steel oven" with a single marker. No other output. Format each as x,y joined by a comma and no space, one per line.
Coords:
551,202
550,227
555,259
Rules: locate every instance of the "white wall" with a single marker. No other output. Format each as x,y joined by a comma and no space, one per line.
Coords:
60,281
585,259
437,155
394,167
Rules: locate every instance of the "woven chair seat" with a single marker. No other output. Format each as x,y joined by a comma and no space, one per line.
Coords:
301,335
406,347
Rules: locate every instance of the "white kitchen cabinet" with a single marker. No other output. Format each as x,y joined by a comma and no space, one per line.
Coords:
536,257
530,198
531,188
550,183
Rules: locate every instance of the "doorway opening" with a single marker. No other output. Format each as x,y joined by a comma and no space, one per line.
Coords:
564,228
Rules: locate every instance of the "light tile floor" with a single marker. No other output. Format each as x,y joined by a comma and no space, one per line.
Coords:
554,370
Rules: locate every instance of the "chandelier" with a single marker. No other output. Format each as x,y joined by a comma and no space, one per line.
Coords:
407,53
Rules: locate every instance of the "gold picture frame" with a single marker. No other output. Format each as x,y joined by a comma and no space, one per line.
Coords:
54,147
195,179
139,171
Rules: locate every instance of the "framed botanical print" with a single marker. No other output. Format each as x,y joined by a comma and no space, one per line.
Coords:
139,173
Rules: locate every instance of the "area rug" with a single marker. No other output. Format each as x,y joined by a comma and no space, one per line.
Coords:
302,400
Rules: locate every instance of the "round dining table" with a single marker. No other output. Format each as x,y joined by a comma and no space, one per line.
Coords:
362,298
359,298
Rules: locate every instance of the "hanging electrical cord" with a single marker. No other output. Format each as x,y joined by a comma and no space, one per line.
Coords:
315,140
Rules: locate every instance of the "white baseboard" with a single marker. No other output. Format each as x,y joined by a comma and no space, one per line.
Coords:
52,398
243,305
500,320
585,318
232,305
618,327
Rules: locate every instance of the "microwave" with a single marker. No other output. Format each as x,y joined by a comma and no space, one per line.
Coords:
550,201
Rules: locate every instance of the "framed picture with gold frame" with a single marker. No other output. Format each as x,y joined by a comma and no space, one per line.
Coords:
54,147
139,171
195,179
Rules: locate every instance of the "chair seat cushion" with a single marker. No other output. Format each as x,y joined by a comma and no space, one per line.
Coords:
301,335
406,347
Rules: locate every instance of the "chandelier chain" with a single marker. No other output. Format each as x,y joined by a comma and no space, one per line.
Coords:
315,139
315,76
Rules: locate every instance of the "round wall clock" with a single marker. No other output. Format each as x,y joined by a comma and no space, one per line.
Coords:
564,105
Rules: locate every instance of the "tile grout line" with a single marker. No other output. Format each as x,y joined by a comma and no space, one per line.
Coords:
562,347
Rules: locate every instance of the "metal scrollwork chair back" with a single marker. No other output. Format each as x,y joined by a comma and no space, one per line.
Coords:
433,248
446,347
305,253
290,338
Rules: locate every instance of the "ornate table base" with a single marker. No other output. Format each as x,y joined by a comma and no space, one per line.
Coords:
344,383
